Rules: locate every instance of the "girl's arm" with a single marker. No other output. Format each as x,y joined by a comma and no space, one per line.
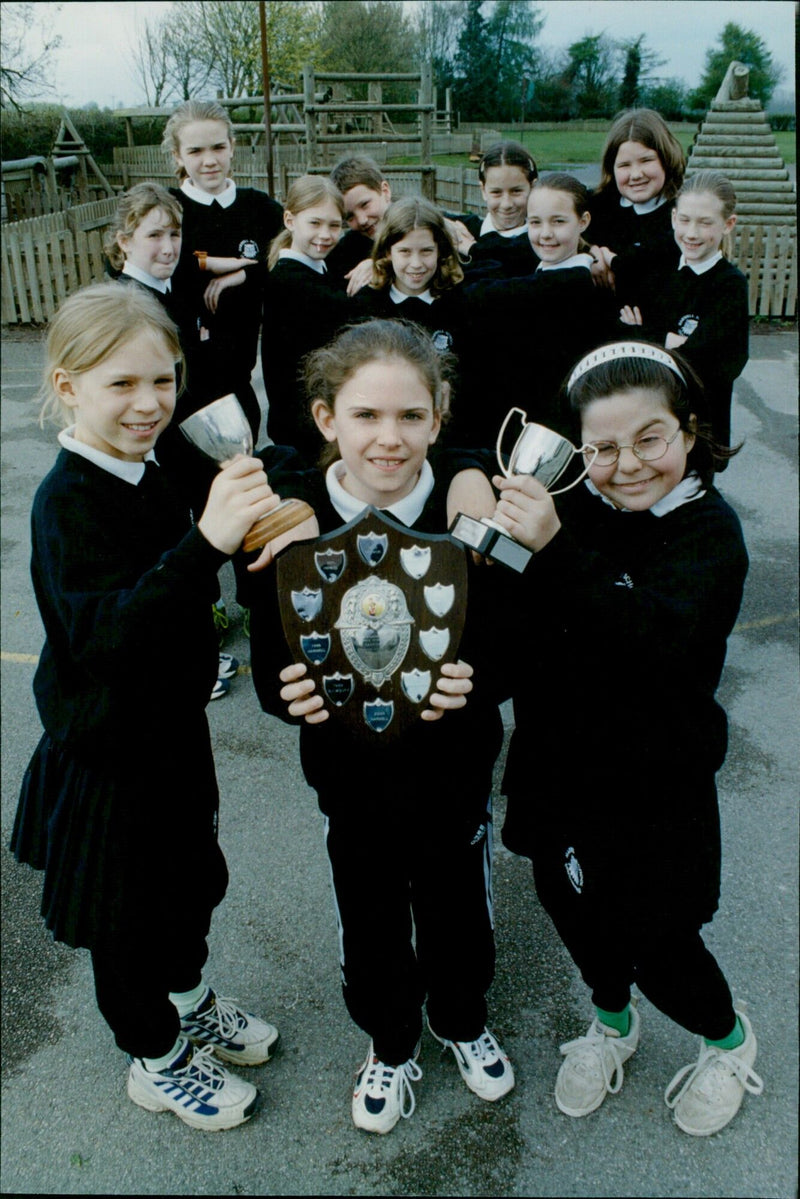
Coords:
222,266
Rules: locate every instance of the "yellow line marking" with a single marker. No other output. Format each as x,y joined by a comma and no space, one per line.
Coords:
7,656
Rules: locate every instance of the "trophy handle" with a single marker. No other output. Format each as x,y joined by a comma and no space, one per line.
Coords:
288,514
583,473
503,469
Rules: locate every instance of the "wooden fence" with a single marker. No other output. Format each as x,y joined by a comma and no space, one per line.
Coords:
47,258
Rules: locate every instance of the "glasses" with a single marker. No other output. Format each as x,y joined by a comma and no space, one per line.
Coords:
647,449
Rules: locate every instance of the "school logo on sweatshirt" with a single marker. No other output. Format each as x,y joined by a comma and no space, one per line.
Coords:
248,249
573,869
442,341
687,324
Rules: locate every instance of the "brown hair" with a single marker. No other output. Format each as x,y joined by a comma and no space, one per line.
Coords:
558,181
185,114
358,170
508,154
405,214
648,127
132,207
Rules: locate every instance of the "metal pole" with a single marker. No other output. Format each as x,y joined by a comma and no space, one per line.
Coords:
262,17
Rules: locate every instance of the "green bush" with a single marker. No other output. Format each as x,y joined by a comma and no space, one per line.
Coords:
782,122
34,130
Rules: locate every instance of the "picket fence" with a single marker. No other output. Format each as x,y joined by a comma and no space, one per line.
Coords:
46,258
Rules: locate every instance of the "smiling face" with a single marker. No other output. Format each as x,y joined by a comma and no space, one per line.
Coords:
124,403
364,207
554,227
638,172
315,230
154,246
205,153
505,193
384,423
414,259
622,418
699,225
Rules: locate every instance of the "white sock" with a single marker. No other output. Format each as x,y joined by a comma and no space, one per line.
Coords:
187,1001
156,1064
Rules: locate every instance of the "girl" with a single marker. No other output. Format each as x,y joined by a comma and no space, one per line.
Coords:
555,310
423,850
701,310
641,172
226,234
498,244
116,563
634,588
303,307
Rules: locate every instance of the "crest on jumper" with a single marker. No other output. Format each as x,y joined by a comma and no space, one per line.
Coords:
372,610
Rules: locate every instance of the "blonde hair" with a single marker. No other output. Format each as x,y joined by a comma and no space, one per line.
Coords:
91,325
132,207
403,216
185,114
720,187
305,192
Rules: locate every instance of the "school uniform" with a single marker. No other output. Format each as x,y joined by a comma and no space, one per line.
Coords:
122,789
353,247
639,235
496,253
240,222
611,782
303,310
407,826
529,333
707,303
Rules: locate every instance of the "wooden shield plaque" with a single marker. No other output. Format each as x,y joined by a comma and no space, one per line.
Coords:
373,610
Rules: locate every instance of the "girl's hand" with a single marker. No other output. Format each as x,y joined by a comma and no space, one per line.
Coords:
464,241
300,694
602,272
239,496
630,315
673,340
452,688
223,266
359,277
526,510
469,492
302,532
216,287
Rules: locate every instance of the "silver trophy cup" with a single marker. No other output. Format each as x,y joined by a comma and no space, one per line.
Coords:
539,452
221,430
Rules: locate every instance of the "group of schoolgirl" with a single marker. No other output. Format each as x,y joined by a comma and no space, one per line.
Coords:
646,560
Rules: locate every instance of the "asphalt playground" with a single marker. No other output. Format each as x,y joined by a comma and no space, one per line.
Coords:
67,1124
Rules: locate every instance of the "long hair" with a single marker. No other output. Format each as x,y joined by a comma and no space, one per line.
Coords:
305,192
132,207
508,154
558,181
185,114
714,184
401,217
649,128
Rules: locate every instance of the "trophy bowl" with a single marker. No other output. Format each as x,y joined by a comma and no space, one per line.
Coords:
221,431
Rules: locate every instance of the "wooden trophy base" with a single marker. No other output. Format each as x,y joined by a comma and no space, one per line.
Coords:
288,514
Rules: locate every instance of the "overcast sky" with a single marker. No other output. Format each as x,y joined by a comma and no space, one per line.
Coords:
93,63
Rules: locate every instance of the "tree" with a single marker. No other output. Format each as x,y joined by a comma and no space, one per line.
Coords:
592,76
738,45
367,36
667,97
473,67
437,28
26,51
640,63
513,27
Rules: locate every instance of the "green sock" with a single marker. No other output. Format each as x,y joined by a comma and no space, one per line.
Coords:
732,1041
621,1021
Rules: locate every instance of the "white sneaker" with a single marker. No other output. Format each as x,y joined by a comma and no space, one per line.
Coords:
234,1035
198,1089
383,1093
712,1093
592,1066
484,1066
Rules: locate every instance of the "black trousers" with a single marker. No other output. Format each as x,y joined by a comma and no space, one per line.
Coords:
414,910
628,914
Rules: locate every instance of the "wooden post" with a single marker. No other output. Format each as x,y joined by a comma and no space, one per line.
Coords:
426,123
310,116
265,82
375,96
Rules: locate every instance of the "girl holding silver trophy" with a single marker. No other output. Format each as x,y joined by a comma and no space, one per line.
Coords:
633,589
121,792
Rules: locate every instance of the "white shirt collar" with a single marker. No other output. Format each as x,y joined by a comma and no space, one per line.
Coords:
688,489
406,510
647,206
224,199
700,268
162,285
316,264
397,296
129,472
488,226
574,260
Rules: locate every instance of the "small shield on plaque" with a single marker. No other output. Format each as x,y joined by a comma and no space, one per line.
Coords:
372,547
316,646
307,603
330,564
435,642
416,684
416,561
378,714
338,687
439,598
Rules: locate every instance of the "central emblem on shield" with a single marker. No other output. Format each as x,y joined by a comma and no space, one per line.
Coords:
375,627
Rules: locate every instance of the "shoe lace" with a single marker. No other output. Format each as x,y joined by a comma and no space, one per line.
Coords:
407,1073
204,1068
711,1070
594,1046
230,1019
483,1049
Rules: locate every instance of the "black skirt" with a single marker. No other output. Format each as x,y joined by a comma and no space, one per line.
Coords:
121,852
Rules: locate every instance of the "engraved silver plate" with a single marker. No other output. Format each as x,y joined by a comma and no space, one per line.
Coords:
416,561
416,684
307,603
375,627
330,564
435,642
316,646
439,598
372,547
378,714
338,687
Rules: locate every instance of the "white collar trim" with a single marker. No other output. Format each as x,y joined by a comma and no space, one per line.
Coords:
316,264
129,472
407,510
700,268
162,285
688,489
488,226
398,297
647,206
573,260
224,199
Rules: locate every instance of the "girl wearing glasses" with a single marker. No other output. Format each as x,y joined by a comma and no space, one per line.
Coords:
635,585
